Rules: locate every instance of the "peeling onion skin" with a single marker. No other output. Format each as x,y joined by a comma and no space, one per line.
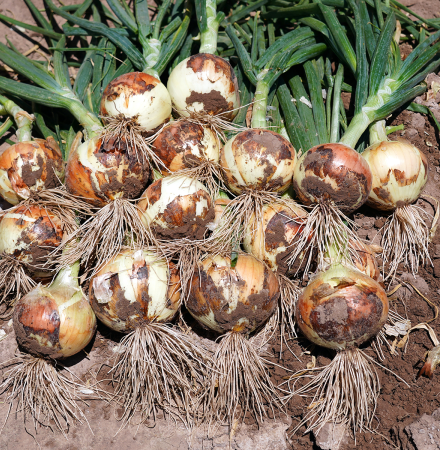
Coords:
29,233
333,172
238,299
183,144
101,172
204,83
273,239
30,166
341,308
133,289
177,207
259,160
366,261
137,94
45,327
400,172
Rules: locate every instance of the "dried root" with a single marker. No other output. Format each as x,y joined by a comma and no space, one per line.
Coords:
289,293
238,382
158,367
15,281
345,391
405,240
127,130
102,236
40,391
325,230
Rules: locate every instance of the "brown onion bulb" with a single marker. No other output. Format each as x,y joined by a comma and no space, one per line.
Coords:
139,96
272,239
341,308
204,83
333,172
258,159
177,207
238,299
133,289
55,321
183,144
101,171
28,167
29,233
400,172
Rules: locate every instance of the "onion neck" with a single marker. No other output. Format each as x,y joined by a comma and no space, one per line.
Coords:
208,38
357,126
92,125
259,108
378,132
21,117
67,280
152,49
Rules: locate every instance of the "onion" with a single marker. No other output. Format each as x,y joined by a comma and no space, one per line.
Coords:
100,171
333,172
139,293
50,323
400,172
236,301
137,96
177,207
206,85
133,289
365,259
184,144
342,309
28,167
258,159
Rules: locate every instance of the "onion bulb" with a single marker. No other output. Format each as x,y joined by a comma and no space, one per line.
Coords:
138,293
133,289
184,144
137,96
259,160
234,301
204,85
52,322
400,172
341,309
28,167
177,207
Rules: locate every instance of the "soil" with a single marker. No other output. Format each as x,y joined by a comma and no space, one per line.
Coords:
403,399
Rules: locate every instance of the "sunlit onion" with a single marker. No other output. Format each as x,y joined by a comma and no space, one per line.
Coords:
28,167
258,159
333,172
139,96
205,84
184,144
134,289
177,207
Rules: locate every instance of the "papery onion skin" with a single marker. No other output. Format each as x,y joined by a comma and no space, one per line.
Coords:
333,172
177,207
204,83
238,299
400,172
101,171
366,260
137,94
27,167
341,308
133,289
50,324
29,233
183,144
258,159
273,239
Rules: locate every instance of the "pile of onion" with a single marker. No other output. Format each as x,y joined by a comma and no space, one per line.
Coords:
399,174
51,323
341,309
234,302
139,294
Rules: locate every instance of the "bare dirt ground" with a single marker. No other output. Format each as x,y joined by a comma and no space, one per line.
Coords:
400,405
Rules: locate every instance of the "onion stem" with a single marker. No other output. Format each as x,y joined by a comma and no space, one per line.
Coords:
378,132
21,117
208,38
87,119
67,278
260,104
